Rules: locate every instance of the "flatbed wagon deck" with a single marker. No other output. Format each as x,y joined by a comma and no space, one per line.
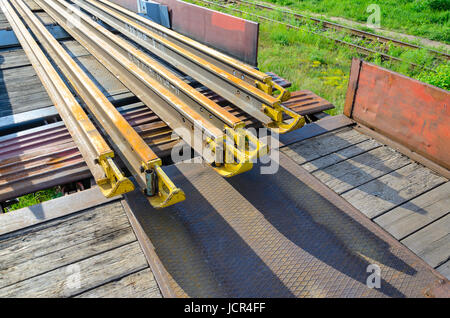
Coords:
343,199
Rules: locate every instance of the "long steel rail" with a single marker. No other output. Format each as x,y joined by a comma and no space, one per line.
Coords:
360,49
247,88
94,149
340,27
231,150
142,162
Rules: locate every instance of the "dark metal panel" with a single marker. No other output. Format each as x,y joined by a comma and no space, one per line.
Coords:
412,113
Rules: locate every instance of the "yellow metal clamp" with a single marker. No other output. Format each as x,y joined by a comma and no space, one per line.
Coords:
238,157
114,183
278,112
160,190
281,125
270,86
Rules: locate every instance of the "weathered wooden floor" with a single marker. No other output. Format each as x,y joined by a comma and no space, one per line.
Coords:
81,245
408,200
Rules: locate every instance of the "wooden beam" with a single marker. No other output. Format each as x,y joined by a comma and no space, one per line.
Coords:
52,209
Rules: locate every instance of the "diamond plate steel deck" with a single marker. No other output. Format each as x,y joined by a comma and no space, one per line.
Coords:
281,235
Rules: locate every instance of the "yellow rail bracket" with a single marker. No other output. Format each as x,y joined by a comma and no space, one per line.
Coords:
238,157
160,190
270,86
115,183
280,124
278,113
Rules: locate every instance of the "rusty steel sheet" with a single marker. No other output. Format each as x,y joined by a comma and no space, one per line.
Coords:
231,35
279,235
412,113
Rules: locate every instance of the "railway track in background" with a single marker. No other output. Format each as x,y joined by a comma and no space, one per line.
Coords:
367,52
339,27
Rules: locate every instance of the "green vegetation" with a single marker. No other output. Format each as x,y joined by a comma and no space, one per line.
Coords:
308,61
439,78
35,198
426,18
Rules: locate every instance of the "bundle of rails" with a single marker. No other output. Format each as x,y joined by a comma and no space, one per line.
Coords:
92,146
360,49
88,140
231,148
242,85
339,27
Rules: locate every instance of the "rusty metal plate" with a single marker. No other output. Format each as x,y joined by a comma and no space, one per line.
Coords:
281,235
412,113
232,35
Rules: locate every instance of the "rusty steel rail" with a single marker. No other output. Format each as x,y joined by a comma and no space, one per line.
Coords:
95,151
226,148
143,163
247,88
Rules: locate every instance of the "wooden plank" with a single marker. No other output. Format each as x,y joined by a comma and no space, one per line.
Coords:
432,243
52,209
393,189
404,150
94,271
21,90
45,238
32,5
319,146
352,87
353,172
137,285
16,57
417,213
444,269
317,128
341,155
104,79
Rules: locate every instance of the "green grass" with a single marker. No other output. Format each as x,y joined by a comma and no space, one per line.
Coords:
35,198
309,62
425,18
